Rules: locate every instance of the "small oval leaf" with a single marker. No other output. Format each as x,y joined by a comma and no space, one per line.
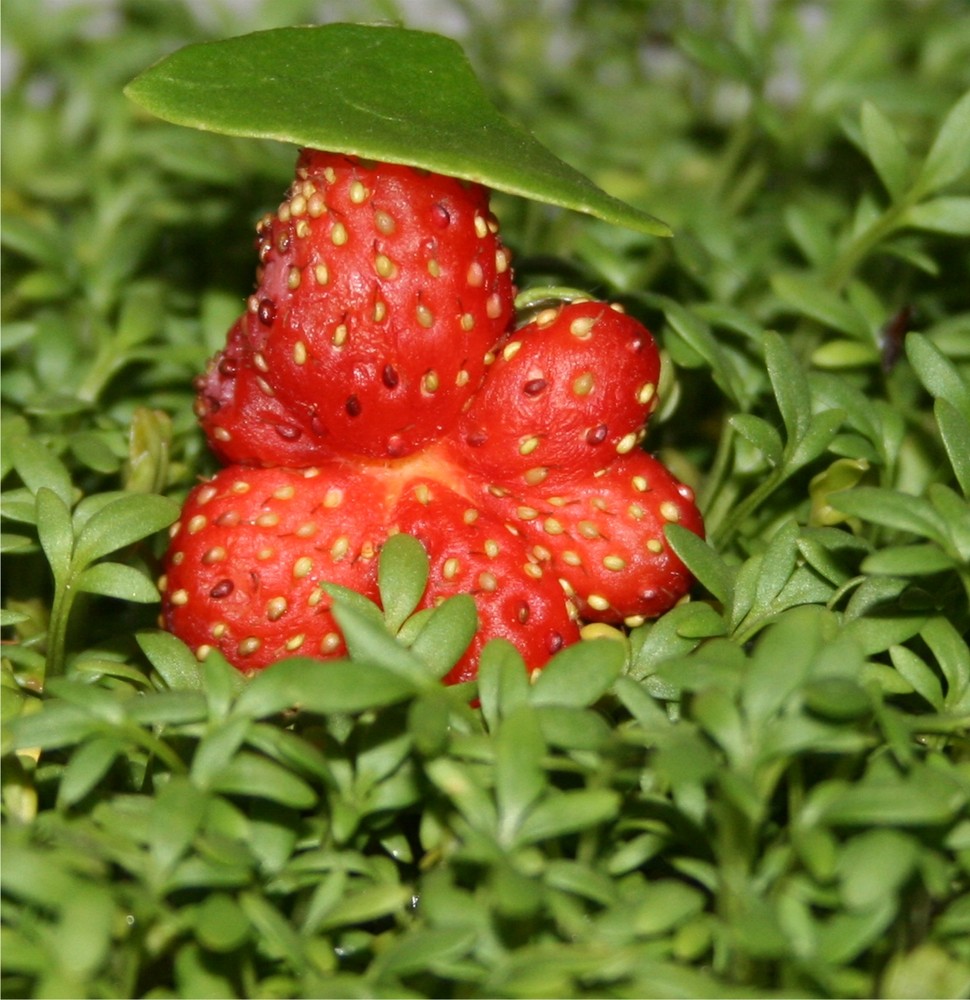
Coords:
382,92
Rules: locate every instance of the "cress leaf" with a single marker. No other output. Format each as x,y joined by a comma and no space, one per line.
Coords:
377,91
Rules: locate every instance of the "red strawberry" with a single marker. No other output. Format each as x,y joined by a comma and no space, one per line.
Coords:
242,417
247,558
604,536
472,552
568,392
382,290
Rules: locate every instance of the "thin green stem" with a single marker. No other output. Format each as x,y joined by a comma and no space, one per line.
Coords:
57,629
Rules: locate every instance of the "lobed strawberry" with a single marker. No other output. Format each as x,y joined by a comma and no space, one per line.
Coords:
382,289
574,387
373,386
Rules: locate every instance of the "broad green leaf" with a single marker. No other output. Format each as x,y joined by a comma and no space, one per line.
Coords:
503,680
381,92
446,634
703,561
885,150
955,431
111,579
938,373
808,295
250,775
759,433
519,776
176,664
568,812
38,467
892,509
55,531
126,519
949,156
402,577
790,387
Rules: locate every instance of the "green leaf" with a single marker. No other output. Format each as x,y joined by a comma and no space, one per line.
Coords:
580,674
703,561
885,150
38,467
761,434
892,509
955,431
808,295
126,519
111,579
248,774
569,812
446,634
519,776
402,577
86,768
938,373
949,156
376,91
790,387
55,531
940,215
176,664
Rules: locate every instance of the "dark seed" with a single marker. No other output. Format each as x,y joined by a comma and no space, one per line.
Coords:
597,435
523,613
222,589
228,368
440,215
390,376
534,386
353,406
476,440
266,312
555,642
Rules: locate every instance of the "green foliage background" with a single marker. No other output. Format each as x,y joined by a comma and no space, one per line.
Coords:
764,793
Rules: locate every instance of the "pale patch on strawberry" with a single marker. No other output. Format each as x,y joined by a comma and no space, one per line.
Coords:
569,392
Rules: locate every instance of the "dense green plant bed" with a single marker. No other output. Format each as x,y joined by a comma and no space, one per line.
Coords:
764,792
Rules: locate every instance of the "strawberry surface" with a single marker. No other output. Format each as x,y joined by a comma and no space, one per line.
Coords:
381,292
570,390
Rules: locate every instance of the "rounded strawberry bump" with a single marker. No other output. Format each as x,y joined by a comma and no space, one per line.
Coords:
375,385
574,387
381,290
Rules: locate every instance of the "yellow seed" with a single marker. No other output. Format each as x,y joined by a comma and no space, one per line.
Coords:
501,261
451,568
462,378
552,526
531,569
302,567
583,384
330,174
528,445
264,387
614,563
497,491
597,602
316,596
511,349
338,235
481,227
206,494
380,311
330,643
546,318
321,274
556,501
333,498
526,513
218,630
249,646
424,315
299,353
571,558
384,266
491,548
493,306
276,608
339,337
214,555
600,630
178,558
297,206
264,554
240,486
434,268
470,516
340,548
295,642
430,382
358,193
268,520
645,393
567,587
293,278
179,597
634,621
640,484
284,493
626,443
197,523
384,222
582,327
467,321
636,512
535,475
588,529
669,511
475,276
221,434
655,546
541,553
203,651
307,530
487,581
422,493
315,206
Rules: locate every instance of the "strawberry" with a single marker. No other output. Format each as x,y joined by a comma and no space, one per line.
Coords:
249,553
472,552
382,290
574,388
603,536
242,417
